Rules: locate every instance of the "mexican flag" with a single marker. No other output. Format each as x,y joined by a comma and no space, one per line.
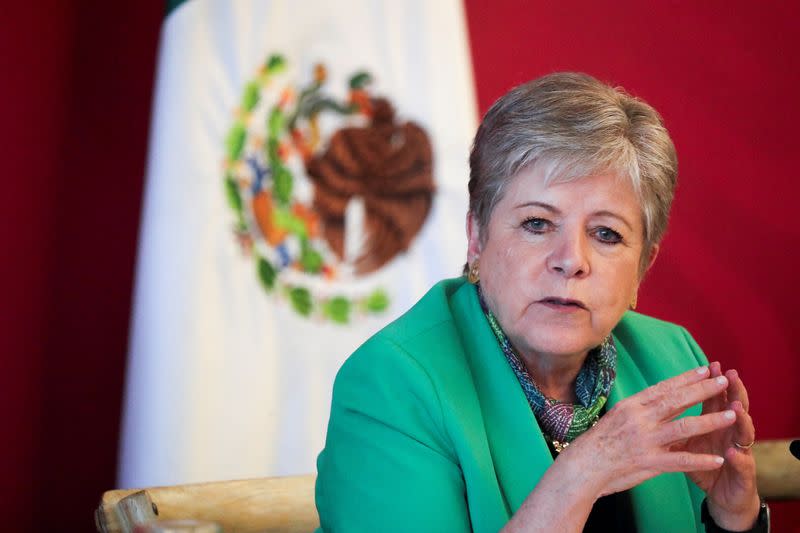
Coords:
306,184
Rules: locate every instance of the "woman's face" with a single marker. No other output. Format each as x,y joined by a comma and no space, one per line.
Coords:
560,263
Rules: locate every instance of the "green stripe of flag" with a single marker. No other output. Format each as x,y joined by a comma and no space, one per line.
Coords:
171,5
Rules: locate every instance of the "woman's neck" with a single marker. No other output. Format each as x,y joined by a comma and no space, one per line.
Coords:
555,375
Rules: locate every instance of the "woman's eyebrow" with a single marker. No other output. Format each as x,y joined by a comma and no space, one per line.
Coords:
604,213
553,209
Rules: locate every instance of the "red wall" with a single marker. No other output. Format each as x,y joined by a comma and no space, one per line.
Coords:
75,100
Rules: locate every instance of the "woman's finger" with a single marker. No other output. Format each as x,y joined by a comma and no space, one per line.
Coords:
744,432
688,462
677,400
690,426
743,465
718,402
737,390
667,387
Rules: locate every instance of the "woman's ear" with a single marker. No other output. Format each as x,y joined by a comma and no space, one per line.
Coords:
473,239
645,265
652,258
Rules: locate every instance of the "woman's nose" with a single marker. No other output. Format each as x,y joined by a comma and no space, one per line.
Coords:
569,256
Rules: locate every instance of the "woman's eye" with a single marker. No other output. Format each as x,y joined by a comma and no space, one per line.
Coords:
536,225
608,235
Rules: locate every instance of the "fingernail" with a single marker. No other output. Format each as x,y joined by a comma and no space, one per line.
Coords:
719,460
702,370
722,380
730,415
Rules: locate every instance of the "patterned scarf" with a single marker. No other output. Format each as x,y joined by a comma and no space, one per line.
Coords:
564,422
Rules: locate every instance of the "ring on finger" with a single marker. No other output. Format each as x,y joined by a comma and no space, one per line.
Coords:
743,446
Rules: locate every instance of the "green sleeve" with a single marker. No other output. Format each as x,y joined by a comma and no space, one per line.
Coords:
388,463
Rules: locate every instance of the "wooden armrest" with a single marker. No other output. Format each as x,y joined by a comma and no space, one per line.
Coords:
778,470
284,504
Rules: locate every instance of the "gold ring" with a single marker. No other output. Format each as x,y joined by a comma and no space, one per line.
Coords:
743,446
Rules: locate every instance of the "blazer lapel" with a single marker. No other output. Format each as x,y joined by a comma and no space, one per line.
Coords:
518,449
662,503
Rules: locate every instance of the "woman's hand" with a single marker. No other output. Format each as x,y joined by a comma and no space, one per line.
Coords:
733,500
640,437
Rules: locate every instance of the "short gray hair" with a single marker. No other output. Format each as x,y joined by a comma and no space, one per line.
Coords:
574,126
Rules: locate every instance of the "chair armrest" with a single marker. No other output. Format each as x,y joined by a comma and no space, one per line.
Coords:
778,471
267,504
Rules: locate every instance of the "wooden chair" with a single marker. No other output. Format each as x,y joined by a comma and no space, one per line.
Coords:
286,504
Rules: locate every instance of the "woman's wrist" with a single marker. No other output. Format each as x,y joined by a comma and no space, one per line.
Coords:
562,499
744,519
588,482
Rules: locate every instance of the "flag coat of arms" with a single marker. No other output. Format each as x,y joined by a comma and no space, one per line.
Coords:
306,184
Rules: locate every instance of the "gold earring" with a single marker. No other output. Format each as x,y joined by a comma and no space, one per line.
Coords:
474,275
635,300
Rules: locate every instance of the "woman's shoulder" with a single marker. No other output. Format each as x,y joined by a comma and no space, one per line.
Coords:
422,331
645,336
422,348
639,325
637,322
429,313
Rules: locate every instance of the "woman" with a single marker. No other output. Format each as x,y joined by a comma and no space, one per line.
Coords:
527,397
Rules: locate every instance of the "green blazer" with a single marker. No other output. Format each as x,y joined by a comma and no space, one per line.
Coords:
430,429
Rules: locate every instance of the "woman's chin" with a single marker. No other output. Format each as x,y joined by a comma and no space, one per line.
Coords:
562,351
554,339
546,331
